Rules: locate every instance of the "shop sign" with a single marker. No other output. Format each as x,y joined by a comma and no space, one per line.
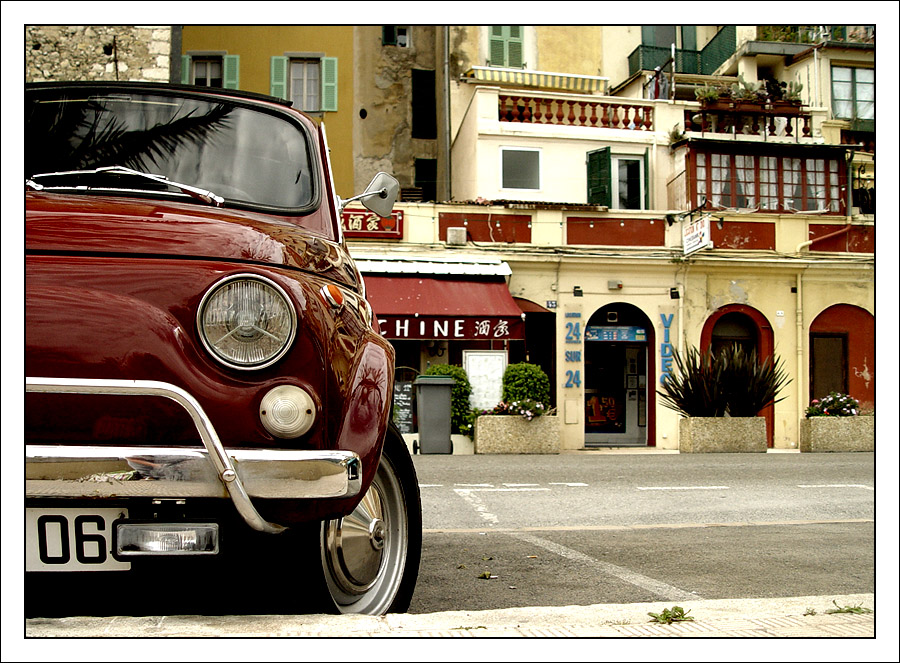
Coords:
696,235
363,224
450,328
666,350
598,333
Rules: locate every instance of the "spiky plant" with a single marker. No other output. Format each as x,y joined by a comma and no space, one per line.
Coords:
732,381
696,388
752,384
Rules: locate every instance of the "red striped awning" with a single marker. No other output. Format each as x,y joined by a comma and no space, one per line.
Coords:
415,307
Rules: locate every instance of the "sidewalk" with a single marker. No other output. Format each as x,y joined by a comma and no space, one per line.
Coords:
796,617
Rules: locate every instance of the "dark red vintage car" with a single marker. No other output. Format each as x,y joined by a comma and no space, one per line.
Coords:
208,395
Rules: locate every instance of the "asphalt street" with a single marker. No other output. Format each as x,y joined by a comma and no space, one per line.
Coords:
587,544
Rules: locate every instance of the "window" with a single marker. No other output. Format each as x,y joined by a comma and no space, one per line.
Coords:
207,72
617,181
395,35
629,183
426,178
306,84
211,70
424,104
769,183
520,168
658,35
506,46
310,82
853,96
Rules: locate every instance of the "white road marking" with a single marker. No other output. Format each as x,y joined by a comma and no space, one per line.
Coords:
431,485
836,485
475,485
476,503
502,490
663,590
638,527
520,485
567,483
682,487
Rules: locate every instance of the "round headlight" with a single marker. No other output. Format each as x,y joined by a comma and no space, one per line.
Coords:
246,321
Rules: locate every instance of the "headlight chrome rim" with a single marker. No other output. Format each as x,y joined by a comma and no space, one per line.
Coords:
223,357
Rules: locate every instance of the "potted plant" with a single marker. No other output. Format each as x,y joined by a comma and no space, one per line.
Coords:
836,423
522,422
713,97
720,396
789,102
747,94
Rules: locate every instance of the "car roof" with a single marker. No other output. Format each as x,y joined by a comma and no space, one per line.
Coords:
162,87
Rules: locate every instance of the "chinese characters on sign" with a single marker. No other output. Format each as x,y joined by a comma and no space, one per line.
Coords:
360,223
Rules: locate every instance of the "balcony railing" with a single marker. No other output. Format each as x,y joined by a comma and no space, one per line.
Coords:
575,113
733,118
706,61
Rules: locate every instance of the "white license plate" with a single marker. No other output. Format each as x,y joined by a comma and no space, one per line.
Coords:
71,540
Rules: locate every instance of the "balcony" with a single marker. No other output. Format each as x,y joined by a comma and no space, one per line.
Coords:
745,119
546,109
705,61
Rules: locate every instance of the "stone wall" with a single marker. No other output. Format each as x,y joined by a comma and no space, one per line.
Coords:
92,53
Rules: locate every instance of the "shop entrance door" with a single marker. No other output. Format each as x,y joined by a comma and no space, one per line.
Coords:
615,394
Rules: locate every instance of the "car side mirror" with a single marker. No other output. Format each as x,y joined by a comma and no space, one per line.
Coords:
380,196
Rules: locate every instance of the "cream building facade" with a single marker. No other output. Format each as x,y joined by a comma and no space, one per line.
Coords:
551,177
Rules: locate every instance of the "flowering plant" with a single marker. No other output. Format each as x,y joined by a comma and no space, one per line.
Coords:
527,408
833,405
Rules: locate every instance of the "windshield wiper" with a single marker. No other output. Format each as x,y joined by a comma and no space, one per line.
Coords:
194,192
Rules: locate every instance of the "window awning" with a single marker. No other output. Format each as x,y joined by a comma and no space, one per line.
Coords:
542,79
413,307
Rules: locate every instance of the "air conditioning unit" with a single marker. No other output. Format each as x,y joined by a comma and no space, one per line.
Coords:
456,236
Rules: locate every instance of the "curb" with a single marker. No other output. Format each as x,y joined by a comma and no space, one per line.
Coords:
796,617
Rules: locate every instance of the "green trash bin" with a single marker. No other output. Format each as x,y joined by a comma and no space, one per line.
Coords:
433,408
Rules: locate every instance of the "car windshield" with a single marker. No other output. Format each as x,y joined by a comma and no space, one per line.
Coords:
244,155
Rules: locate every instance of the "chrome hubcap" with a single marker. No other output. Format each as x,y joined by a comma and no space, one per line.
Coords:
363,554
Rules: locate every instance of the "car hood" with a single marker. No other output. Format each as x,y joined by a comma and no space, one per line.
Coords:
113,225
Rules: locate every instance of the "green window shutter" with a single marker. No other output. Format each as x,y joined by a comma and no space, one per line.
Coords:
514,48
599,167
186,70
506,46
231,68
647,178
497,54
278,74
329,84
388,35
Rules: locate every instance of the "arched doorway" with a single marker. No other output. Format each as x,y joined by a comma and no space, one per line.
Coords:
619,374
744,325
842,354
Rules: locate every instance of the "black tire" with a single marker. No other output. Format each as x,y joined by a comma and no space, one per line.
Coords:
370,559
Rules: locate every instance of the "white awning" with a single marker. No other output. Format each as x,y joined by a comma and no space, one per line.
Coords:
540,79
456,265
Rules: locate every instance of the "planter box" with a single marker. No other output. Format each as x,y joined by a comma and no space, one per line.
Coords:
837,434
512,434
722,434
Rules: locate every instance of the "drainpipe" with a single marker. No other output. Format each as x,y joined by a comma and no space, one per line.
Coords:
801,396
803,245
447,112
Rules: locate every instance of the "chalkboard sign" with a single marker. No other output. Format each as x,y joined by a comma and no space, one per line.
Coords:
403,406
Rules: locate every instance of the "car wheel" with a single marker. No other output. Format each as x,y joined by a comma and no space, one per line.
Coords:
370,558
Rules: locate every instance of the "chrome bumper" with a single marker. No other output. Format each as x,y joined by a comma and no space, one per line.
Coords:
177,472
